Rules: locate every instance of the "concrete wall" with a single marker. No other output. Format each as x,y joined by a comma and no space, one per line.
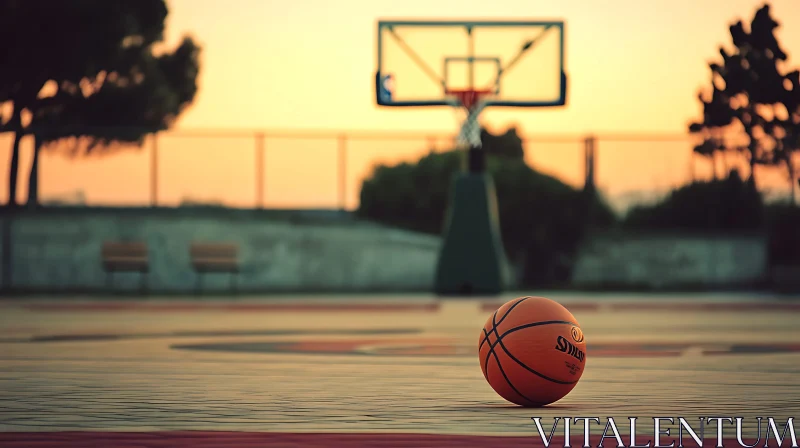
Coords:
671,261
62,252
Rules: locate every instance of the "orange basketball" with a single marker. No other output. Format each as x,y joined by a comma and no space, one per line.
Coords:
532,351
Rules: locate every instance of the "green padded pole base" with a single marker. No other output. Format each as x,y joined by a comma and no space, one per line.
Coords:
472,260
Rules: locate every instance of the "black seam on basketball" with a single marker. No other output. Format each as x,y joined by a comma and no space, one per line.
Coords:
489,353
500,366
521,327
522,299
486,337
536,324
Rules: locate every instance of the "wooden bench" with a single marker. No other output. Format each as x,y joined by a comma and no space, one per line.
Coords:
125,257
215,258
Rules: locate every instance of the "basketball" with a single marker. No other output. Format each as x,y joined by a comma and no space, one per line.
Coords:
532,351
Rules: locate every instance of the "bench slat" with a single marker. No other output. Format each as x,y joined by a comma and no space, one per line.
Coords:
215,249
125,256
214,257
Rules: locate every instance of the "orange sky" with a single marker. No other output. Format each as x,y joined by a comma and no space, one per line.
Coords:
634,67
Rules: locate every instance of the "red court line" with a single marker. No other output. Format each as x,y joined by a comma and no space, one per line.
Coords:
232,307
209,439
687,307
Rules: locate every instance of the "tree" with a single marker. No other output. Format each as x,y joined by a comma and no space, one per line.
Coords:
751,95
542,220
717,116
786,131
728,204
508,144
87,73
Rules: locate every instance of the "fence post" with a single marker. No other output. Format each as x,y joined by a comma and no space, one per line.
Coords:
154,171
589,144
260,170
342,171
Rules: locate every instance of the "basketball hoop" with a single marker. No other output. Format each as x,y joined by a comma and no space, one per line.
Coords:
471,101
469,97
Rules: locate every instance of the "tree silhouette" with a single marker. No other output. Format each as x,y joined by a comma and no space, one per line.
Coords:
717,117
86,74
784,128
751,95
508,144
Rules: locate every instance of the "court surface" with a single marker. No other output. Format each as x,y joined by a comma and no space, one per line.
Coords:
374,370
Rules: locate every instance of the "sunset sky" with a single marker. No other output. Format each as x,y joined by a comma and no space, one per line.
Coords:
635,67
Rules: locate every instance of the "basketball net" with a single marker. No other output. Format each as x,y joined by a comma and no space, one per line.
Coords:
469,106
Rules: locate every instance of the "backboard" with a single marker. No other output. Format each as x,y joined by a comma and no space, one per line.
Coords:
506,63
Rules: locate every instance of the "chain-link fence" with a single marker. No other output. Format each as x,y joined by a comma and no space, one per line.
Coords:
307,169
